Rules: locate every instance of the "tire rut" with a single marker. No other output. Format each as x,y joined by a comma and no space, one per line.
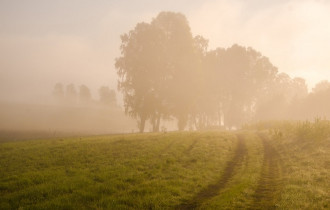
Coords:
213,189
270,180
191,146
168,147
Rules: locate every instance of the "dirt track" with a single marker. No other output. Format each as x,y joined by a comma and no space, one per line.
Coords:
213,189
270,179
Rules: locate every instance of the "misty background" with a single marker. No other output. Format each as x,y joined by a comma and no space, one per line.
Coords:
47,42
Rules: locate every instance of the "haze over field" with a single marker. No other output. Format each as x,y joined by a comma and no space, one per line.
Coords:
44,43
231,99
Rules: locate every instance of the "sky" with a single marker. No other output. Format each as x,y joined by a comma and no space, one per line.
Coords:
43,42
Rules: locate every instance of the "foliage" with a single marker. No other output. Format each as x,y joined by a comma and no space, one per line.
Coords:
166,72
58,92
107,96
84,94
71,94
155,64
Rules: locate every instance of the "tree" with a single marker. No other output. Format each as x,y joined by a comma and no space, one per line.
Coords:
321,86
281,98
316,104
165,72
139,50
71,94
205,111
237,76
154,67
84,94
181,65
58,92
107,96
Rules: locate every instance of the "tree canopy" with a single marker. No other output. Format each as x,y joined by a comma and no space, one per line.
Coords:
165,72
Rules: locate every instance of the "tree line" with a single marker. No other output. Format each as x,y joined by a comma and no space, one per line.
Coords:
71,95
167,73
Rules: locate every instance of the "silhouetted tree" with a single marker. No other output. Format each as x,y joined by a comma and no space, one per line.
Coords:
321,86
165,72
58,92
236,77
71,94
155,64
134,69
281,95
315,105
84,94
205,112
181,65
107,96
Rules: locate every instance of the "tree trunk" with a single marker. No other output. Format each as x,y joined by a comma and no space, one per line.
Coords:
142,124
182,122
157,123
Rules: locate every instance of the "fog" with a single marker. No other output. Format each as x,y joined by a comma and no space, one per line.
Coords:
45,43
66,113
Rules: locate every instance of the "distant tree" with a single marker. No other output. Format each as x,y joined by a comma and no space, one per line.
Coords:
321,86
58,92
107,96
237,76
71,94
315,105
282,95
300,89
84,94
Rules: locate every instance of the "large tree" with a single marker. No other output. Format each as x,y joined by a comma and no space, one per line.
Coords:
153,70
181,65
166,72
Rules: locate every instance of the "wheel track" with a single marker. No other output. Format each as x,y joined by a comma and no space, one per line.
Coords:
213,189
270,180
191,146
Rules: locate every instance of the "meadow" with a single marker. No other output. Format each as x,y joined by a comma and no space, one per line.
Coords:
257,168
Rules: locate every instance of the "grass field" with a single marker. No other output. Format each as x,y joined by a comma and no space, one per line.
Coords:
304,148
205,170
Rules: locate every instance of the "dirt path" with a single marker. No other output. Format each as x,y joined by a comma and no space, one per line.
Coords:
213,189
270,179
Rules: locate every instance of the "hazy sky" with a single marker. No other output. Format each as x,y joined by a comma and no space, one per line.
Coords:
76,41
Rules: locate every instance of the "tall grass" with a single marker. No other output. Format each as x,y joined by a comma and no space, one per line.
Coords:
295,130
304,147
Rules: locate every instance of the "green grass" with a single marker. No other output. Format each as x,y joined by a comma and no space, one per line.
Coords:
305,149
240,190
170,170
128,171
